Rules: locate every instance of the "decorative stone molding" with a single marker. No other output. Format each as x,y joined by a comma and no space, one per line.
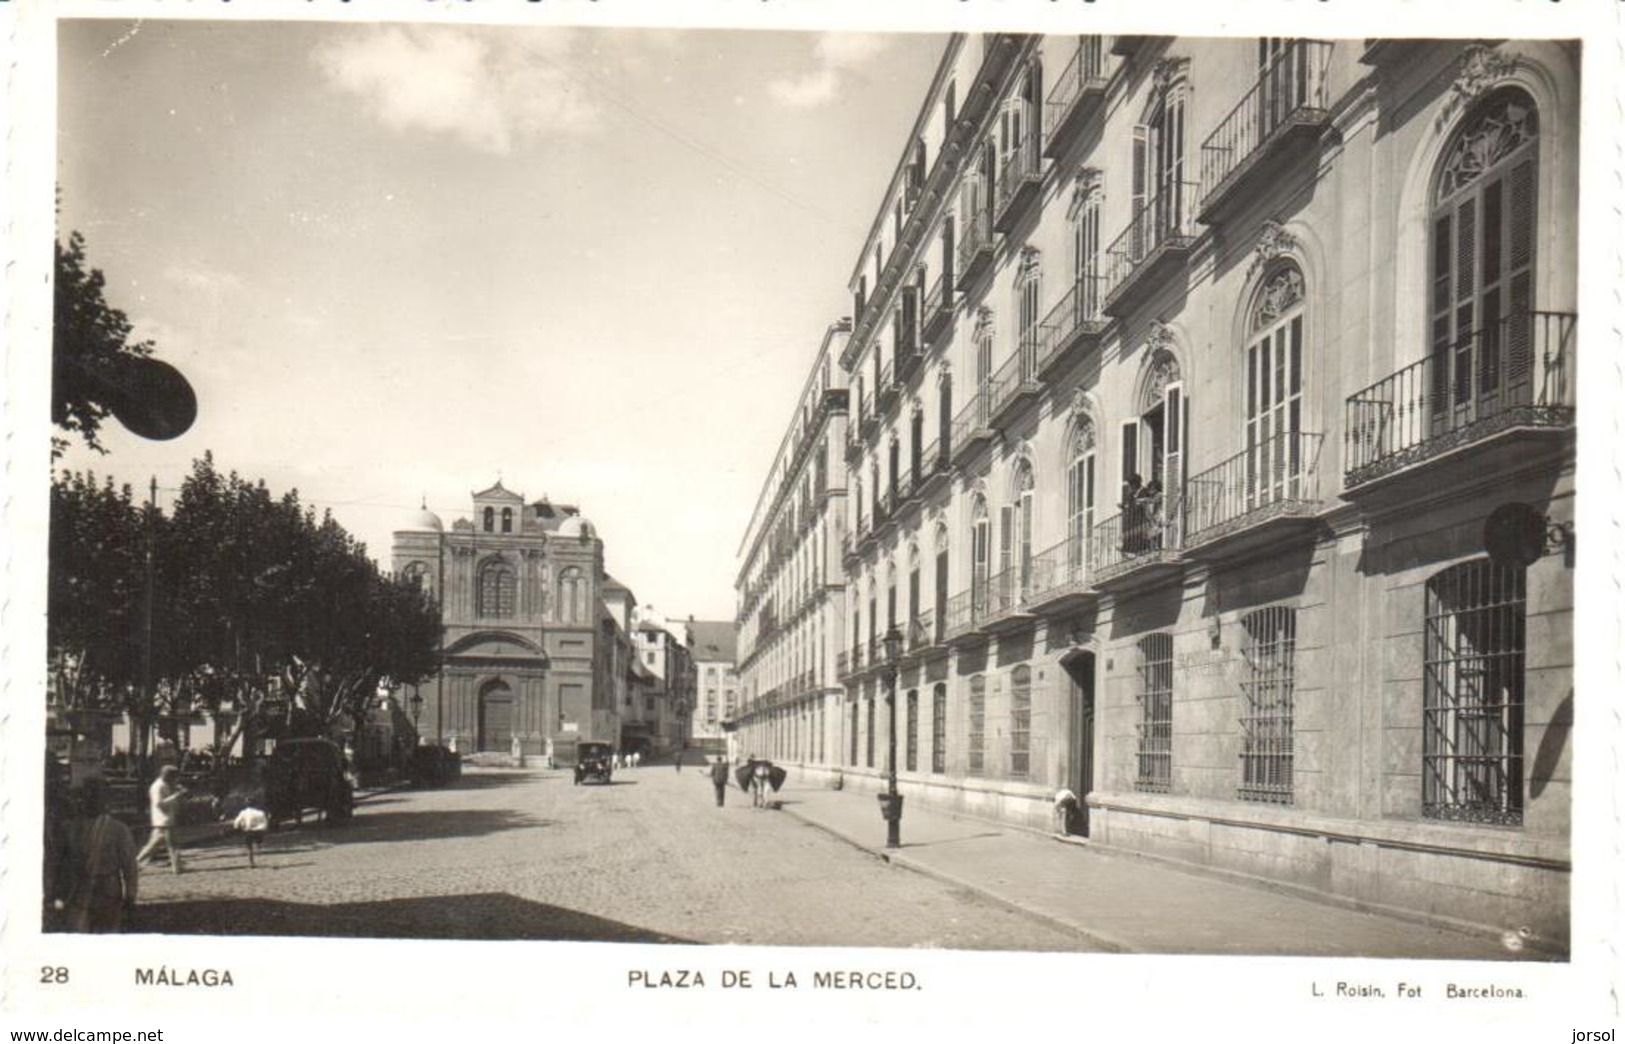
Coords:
1166,71
1027,264
945,371
1274,241
984,321
916,405
1164,371
1159,336
1480,69
1084,184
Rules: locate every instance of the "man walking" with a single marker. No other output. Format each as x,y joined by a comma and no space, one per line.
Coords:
719,778
163,800
101,857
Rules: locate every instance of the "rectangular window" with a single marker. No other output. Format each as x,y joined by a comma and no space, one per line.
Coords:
1473,694
1154,757
911,748
852,753
1021,716
978,723
939,729
1267,687
869,733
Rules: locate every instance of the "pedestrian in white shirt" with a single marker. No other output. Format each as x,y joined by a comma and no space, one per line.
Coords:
163,801
253,824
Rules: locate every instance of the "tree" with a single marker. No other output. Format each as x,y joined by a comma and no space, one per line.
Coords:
90,347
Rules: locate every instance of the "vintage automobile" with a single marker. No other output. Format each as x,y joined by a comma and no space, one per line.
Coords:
307,774
594,761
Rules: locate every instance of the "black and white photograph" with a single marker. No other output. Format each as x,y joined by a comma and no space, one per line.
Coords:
873,498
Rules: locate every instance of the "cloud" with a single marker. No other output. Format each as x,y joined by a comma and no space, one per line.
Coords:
205,280
491,91
838,55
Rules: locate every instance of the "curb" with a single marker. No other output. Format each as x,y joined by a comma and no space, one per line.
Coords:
1106,943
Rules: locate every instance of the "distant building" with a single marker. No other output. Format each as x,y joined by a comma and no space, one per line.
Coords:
533,654
717,682
659,722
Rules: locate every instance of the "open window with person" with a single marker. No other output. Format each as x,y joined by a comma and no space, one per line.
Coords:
1153,463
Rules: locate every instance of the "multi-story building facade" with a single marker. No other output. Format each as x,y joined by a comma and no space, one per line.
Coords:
716,696
532,659
790,582
1212,453
659,724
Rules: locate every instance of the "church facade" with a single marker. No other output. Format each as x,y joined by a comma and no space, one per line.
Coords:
530,662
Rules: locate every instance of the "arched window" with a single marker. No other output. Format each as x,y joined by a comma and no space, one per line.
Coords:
416,574
1481,289
978,556
1473,694
1085,228
911,745
1028,286
1016,534
1155,750
1160,197
1274,397
1021,719
915,637
1080,495
507,520
572,595
497,583
490,519
982,340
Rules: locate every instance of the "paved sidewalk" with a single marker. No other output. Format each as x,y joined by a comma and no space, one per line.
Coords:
1122,901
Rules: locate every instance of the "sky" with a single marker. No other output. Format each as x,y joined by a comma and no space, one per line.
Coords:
400,262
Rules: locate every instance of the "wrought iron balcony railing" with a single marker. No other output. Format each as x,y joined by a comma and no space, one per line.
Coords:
1071,324
1075,93
1279,475
1061,572
1290,95
1517,372
974,424
923,631
1161,228
1017,379
885,389
965,611
1147,530
939,309
1007,591
1019,178
975,246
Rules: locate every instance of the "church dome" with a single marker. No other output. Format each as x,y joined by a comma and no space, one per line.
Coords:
424,521
576,526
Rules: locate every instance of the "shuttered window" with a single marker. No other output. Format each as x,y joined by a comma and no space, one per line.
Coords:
1267,687
978,723
1021,717
939,729
1482,274
1274,399
911,755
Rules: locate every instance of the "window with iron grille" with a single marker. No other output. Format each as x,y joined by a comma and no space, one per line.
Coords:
1472,719
852,754
1021,717
1154,768
869,732
1266,727
978,723
911,749
939,729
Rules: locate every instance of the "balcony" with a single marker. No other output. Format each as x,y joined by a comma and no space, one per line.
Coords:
1020,175
1007,608
1482,405
973,429
1015,384
854,445
1060,578
886,512
843,661
939,310
933,470
1126,46
885,390
906,344
975,247
1273,124
923,634
1138,547
1075,97
1263,497
1152,247
868,419
1072,328
965,612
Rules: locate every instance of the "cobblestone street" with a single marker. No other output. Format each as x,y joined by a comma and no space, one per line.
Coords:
528,855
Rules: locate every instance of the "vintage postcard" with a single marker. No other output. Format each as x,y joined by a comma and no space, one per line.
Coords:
567,517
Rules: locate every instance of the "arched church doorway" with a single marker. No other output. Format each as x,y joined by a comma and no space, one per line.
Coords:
496,716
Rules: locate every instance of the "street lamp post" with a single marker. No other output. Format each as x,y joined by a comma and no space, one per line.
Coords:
891,803
417,712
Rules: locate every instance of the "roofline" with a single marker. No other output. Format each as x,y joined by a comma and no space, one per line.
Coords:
956,42
839,326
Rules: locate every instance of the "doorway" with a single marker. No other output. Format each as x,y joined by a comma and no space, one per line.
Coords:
496,716
1080,670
